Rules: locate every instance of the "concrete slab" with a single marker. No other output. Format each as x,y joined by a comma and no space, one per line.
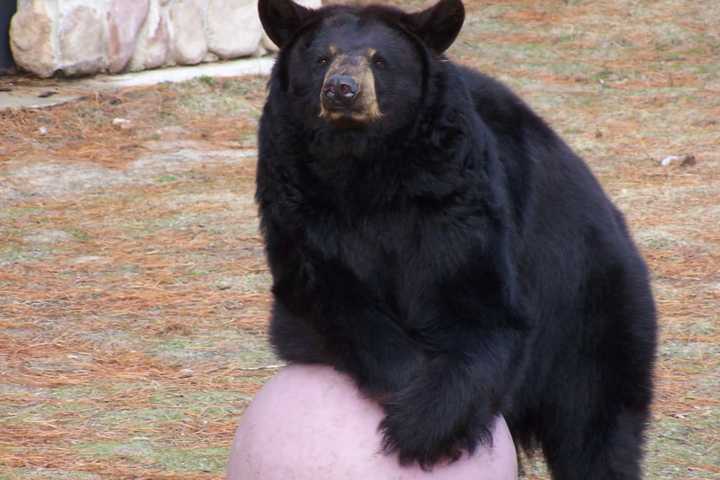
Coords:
25,98
63,91
235,68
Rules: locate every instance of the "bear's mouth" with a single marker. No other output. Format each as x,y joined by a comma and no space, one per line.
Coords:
346,118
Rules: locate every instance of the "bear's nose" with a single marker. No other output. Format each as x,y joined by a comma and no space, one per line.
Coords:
341,89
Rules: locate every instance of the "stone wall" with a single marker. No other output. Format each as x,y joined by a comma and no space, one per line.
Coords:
82,37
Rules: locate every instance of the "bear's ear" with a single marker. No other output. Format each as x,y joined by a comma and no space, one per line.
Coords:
281,19
440,24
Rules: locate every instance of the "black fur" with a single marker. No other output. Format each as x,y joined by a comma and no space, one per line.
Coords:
456,258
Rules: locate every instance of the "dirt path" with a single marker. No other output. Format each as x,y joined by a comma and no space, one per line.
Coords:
133,291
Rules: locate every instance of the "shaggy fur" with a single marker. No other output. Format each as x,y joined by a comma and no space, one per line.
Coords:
455,257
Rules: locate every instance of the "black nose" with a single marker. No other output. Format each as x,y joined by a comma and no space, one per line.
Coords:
341,90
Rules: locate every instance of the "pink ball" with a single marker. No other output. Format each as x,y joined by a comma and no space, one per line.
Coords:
312,423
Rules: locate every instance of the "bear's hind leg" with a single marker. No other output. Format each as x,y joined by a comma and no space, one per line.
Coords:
596,449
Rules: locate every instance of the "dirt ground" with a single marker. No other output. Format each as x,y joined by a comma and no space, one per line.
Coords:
133,288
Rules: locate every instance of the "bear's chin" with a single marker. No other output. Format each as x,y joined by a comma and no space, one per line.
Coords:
351,141
347,122
348,119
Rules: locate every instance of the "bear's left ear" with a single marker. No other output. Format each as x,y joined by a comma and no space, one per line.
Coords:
438,25
281,19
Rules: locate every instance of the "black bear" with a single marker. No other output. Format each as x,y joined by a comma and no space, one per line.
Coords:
432,237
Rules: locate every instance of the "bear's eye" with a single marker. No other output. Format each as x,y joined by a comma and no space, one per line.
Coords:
323,61
379,61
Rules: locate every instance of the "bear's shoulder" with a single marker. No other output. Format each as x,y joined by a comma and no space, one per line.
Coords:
501,109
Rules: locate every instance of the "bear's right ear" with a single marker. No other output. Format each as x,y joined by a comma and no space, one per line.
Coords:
281,19
439,25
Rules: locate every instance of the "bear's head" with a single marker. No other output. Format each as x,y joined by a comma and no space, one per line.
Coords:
346,68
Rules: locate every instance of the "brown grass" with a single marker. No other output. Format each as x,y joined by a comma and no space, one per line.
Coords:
133,309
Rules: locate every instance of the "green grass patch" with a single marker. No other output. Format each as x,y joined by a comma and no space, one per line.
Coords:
199,401
166,179
135,418
47,474
207,460
242,347
78,234
167,458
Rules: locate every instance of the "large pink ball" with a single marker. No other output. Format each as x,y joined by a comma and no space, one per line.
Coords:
311,423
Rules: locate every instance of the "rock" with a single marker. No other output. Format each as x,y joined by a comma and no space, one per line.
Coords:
268,44
225,38
31,38
669,160
210,57
125,18
153,44
82,39
688,161
684,161
122,123
189,45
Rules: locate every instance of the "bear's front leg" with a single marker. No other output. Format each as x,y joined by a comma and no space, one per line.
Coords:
450,407
324,313
374,350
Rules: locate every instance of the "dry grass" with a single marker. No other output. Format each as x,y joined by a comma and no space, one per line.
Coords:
133,291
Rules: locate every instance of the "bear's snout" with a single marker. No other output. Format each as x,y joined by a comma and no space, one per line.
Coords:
341,90
348,91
